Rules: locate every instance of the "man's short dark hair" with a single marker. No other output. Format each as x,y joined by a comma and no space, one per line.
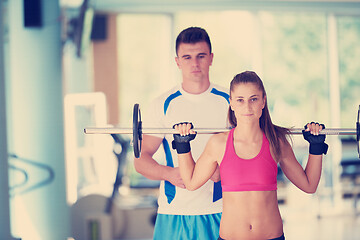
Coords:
192,35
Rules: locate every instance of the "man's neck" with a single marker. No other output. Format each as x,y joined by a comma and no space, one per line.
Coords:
195,87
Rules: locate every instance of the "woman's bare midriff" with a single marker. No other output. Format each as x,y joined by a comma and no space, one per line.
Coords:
250,215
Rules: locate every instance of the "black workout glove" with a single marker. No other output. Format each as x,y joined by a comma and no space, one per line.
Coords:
182,143
317,142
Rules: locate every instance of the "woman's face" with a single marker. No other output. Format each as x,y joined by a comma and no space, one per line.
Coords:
247,101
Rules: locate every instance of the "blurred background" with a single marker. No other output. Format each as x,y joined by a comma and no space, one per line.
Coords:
70,64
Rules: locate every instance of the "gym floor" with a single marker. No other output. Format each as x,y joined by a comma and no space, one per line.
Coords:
336,227
320,218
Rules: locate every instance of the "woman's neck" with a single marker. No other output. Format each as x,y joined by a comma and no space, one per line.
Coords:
248,132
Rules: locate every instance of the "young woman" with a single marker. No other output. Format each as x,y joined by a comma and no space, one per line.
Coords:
248,156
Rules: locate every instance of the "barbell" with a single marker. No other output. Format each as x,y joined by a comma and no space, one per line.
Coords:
137,130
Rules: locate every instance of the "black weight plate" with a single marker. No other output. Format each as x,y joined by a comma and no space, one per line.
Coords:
358,132
137,133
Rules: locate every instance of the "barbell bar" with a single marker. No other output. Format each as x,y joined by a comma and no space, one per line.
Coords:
115,130
137,130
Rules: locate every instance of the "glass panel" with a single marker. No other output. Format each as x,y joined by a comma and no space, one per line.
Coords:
349,61
349,57
295,67
145,61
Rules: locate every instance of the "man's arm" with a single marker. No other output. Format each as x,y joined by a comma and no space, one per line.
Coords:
147,166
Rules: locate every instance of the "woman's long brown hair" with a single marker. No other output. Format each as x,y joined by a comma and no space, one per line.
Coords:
273,133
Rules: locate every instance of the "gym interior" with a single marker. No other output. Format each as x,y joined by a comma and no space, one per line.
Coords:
70,64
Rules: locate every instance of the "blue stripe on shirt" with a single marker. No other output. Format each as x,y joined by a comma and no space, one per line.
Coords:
222,94
217,193
170,189
169,99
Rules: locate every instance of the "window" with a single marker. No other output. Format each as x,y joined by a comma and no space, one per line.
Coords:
289,51
295,67
146,60
349,58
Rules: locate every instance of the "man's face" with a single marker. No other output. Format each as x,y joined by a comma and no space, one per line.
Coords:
194,60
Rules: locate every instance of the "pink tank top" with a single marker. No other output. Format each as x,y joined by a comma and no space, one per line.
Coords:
256,174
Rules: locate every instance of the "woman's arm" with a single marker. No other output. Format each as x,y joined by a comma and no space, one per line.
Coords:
305,179
197,174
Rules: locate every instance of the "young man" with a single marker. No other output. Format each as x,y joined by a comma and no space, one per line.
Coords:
183,214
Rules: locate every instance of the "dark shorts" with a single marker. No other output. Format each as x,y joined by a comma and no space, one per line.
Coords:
282,237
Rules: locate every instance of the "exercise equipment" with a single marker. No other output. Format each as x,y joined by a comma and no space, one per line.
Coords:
137,130
126,214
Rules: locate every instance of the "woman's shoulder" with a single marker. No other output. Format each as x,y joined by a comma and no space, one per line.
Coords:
216,145
219,138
